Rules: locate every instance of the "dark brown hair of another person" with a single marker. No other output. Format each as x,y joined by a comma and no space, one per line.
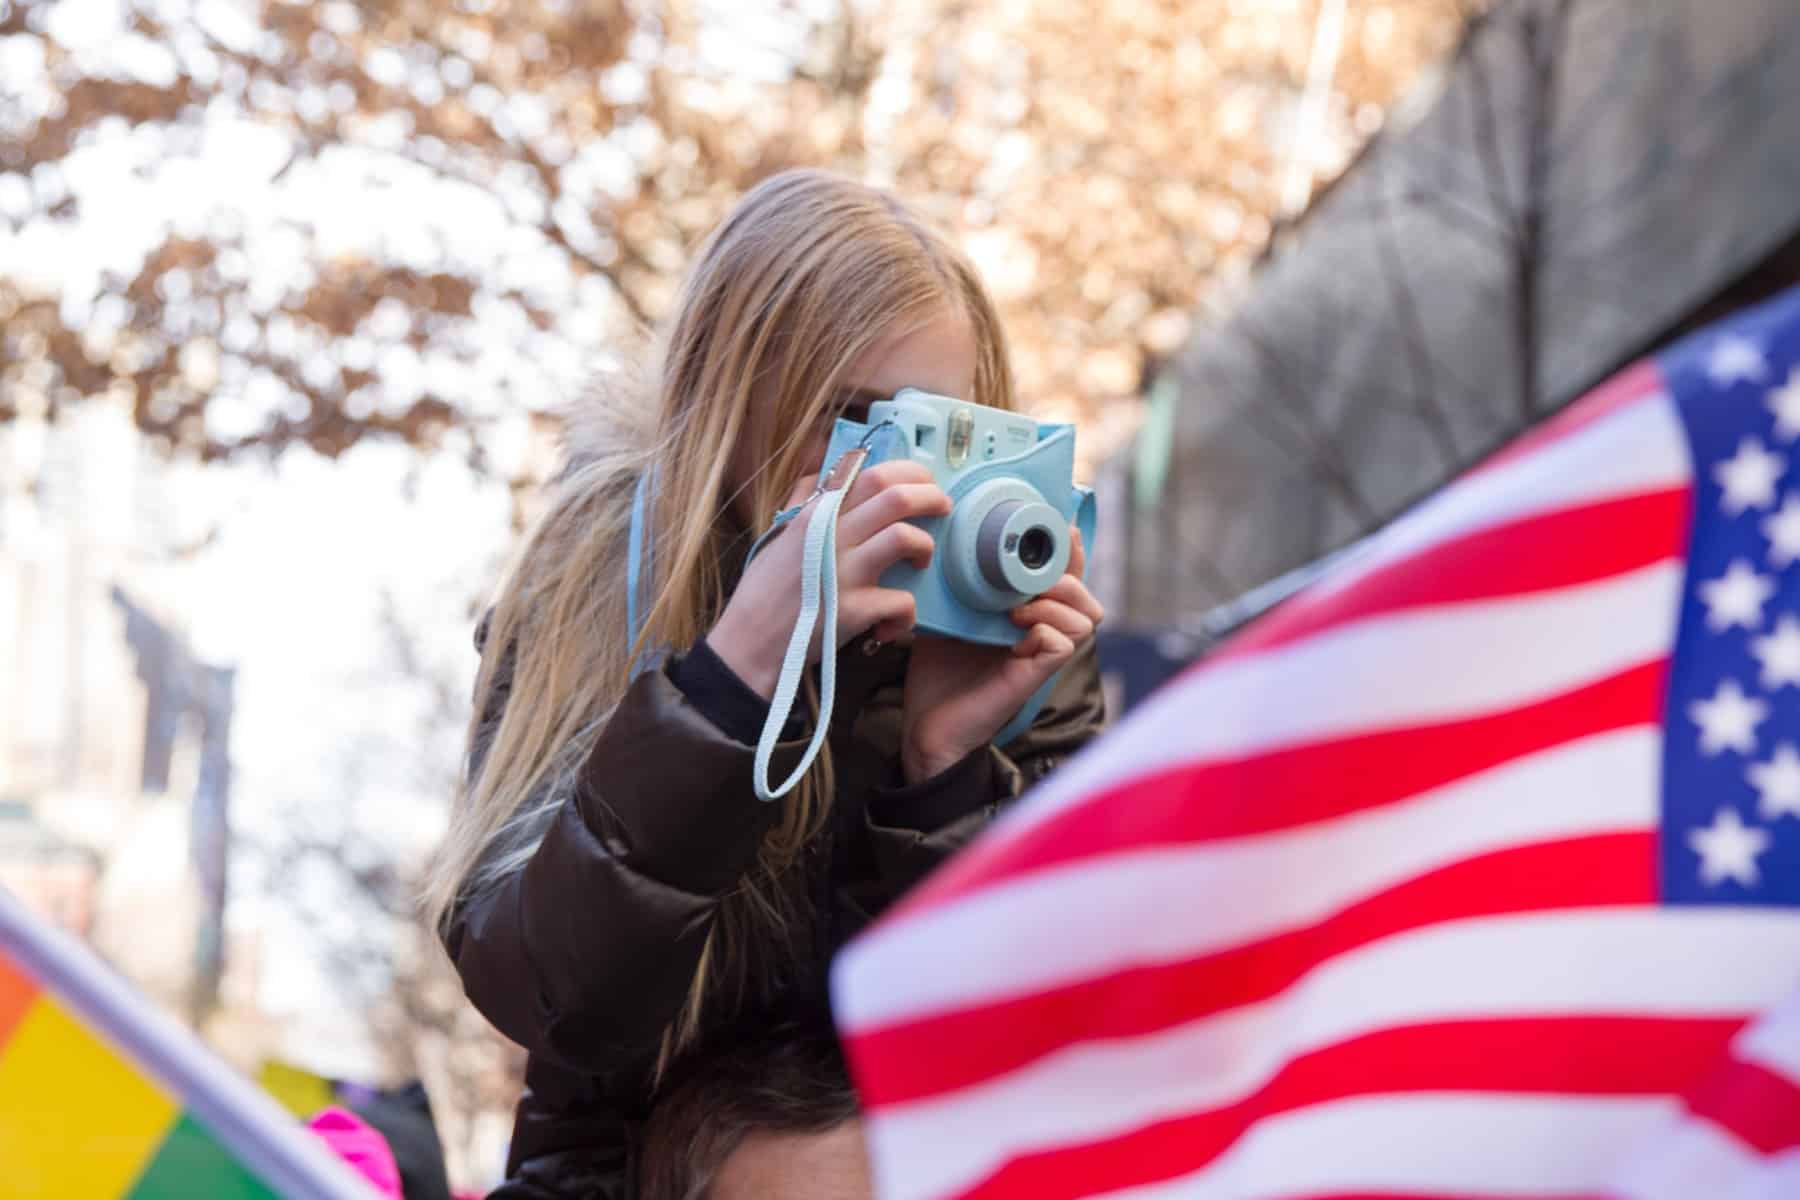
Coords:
787,1079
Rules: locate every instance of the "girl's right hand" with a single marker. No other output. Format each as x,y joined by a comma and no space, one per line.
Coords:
752,634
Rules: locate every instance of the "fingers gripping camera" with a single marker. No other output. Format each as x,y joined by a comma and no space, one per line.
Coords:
1011,484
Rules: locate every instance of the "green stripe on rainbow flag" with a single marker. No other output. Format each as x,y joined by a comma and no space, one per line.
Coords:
190,1153
103,1097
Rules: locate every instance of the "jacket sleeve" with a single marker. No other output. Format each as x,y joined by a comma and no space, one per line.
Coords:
585,954
915,828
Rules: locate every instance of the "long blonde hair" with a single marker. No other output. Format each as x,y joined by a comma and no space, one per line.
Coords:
804,276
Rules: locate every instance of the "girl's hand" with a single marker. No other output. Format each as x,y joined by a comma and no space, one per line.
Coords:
752,633
959,695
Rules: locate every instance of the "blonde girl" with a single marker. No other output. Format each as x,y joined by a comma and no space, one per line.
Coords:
611,890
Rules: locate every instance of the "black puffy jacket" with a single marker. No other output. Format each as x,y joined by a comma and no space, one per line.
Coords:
585,955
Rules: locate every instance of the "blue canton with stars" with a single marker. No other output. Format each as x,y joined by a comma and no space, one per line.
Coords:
1731,750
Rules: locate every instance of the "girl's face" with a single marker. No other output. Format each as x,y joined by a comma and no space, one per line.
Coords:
938,356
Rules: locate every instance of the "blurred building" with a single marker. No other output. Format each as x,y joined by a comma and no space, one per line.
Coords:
114,760
69,727
71,716
55,876
1582,183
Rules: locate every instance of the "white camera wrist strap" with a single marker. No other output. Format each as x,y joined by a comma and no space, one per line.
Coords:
818,608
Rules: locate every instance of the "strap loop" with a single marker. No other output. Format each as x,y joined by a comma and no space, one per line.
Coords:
818,609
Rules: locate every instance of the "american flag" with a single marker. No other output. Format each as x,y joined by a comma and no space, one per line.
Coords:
1468,872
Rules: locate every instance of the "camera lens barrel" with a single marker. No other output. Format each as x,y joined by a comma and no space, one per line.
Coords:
1003,545
1022,547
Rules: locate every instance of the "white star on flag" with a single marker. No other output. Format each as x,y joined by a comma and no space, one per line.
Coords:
1735,357
1728,721
1736,597
1779,653
1784,402
1777,782
1749,476
1728,849
1782,528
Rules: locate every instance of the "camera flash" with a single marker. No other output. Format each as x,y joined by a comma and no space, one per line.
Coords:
958,437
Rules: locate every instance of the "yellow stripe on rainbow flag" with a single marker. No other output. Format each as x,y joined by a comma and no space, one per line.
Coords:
102,1096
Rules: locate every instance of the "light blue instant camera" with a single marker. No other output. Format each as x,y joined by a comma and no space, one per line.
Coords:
1011,481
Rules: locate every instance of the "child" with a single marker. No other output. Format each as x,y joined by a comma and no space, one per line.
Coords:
611,888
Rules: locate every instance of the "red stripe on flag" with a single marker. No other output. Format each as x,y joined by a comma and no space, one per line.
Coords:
1282,789
1752,1103
971,1045
1537,553
1595,1056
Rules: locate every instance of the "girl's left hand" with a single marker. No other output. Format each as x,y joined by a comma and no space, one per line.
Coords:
959,695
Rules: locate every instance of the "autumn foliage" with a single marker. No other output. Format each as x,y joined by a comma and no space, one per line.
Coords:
1108,165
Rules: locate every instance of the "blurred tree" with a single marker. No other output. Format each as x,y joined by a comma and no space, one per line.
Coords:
1111,164
416,219
355,893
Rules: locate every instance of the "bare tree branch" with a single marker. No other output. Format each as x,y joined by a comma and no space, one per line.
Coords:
1425,385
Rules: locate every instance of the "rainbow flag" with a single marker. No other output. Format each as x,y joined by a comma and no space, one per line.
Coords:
102,1095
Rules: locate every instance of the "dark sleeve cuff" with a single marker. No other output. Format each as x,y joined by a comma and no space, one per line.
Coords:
670,793
721,697
962,788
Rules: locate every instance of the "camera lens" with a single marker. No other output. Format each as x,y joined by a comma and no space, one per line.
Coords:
1006,548
1035,547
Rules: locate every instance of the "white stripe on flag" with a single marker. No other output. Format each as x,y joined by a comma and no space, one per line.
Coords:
1416,667
1638,449
1696,1159
1637,962
1774,1042
1064,924
1431,1143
